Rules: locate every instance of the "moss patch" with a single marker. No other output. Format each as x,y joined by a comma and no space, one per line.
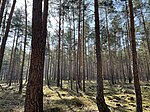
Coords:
120,98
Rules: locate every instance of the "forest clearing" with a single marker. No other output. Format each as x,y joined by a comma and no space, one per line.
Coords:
119,97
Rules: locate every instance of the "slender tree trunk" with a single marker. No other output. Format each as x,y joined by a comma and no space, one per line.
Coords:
48,64
74,53
70,55
135,66
55,68
79,55
62,46
102,106
28,66
109,50
34,90
16,65
116,76
87,60
82,49
128,46
51,65
2,49
11,57
24,51
2,10
44,31
62,67
59,41
4,22
13,60
124,76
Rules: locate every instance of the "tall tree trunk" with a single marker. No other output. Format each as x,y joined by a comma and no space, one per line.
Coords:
51,65
16,65
70,55
4,22
2,49
102,106
48,64
82,49
44,30
74,52
11,57
2,10
24,51
125,53
109,50
59,41
28,66
128,40
62,65
55,67
79,59
87,60
34,90
135,66
13,60
62,46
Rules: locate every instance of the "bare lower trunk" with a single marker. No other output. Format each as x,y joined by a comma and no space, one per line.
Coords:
13,60
135,66
24,51
34,90
79,55
59,40
82,51
11,57
111,69
102,106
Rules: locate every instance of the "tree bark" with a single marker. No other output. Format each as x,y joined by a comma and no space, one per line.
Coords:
44,30
34,90
128,40
13,60
79,55
48,61
102,106
59,41
134,57
2,10
70,55
11,57
74,53
82,48
28,66
4,22
24,51
109,50
62,55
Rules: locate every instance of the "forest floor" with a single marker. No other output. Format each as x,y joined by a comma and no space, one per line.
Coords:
119,97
